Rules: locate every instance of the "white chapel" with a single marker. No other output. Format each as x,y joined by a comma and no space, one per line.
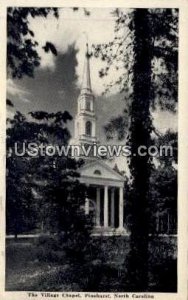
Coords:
105,197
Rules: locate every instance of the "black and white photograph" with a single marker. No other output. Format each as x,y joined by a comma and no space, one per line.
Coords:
92,114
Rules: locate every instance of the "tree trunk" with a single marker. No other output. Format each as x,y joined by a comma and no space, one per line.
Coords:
140,165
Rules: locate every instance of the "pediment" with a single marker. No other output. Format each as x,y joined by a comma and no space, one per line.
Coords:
99,169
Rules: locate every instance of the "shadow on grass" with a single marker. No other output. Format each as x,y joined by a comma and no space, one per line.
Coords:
45,268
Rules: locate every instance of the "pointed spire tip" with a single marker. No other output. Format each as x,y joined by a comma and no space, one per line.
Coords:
86,83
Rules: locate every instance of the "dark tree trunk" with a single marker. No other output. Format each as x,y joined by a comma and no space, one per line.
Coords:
140,165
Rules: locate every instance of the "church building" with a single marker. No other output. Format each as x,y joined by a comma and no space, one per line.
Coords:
105,197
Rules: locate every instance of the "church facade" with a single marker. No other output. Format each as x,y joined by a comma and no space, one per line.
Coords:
105,197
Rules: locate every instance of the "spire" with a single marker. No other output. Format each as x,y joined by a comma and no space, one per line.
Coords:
86,83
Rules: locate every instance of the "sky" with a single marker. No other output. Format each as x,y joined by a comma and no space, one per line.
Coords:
57,82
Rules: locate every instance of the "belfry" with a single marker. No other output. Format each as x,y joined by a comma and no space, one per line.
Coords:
105,197
85,121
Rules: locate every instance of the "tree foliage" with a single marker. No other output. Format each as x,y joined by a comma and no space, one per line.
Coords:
22,54
119,55
51,181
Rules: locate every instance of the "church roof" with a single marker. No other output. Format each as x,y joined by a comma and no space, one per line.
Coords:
91,166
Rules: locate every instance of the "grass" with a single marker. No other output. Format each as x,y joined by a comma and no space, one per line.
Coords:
26,272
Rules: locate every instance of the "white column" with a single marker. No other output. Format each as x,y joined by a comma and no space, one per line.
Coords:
112,207
86,206
106,206
93,128
121,208
98,207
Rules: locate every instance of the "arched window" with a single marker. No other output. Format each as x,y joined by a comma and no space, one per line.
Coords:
88,128
97,172
88,104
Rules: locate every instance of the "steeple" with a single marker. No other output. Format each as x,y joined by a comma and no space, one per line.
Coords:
85,121
86,81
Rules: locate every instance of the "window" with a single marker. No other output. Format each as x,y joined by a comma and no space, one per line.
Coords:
97,172
88,104
88,128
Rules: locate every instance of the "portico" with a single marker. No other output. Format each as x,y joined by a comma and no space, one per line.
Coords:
104,198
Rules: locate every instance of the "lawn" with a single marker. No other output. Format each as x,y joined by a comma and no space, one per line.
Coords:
26,272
